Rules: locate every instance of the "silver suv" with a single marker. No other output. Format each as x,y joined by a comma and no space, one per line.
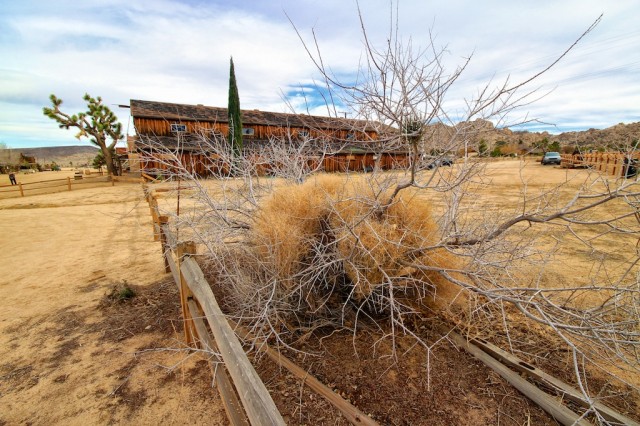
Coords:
551,158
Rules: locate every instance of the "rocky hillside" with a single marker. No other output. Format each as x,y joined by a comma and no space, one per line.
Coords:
620,135
65,156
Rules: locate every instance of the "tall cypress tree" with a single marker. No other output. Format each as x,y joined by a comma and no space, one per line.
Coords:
235,117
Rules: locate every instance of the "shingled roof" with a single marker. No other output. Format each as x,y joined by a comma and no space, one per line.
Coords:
201,113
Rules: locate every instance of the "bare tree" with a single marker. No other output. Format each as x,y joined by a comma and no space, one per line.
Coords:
296,252
407,88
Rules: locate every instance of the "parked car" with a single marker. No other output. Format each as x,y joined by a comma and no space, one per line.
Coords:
551,158
631,167
444,161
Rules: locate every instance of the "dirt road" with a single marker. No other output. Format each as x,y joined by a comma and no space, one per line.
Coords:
68,353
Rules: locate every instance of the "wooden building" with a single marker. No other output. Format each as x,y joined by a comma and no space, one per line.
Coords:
168,133
12,160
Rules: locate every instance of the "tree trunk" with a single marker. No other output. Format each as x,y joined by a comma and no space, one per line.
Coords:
108,158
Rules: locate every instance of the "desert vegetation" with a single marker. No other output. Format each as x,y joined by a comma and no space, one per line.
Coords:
555,257
303,252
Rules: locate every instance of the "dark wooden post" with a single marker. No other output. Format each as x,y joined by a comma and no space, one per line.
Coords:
164,220
21,190
153,207
186,249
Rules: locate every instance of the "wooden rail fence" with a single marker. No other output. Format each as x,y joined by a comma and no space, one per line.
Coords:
617,164
252,404
67,184
246,398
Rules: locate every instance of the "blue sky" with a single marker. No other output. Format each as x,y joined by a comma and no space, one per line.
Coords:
178,51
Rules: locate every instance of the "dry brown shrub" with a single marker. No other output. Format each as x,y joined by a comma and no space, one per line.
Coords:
333,222
288,220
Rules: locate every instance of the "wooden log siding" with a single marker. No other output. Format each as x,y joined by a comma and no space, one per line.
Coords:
154,120
204,165
395,161
159,127
195,163
358,162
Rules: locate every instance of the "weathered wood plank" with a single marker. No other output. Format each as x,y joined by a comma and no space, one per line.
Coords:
162,222
255,398
545,401
350,412
567,391
185,249
229,398
149,178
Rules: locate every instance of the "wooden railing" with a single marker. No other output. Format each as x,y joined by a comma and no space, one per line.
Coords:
53,185
613,163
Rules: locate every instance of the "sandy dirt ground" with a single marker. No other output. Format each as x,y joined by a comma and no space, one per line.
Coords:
68,353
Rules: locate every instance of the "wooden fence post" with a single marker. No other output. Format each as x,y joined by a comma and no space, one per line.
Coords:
183,250
163,220
622,167
69,183
155,213
21,190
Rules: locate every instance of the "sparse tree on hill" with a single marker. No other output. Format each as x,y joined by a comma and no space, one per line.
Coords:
98,123
554,146
483,149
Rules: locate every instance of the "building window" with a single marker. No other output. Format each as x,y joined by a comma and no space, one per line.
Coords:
248,131
303,134
179,128
351,136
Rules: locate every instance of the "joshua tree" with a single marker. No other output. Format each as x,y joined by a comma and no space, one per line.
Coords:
98,123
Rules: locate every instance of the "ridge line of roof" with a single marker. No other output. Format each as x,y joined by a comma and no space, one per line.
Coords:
182,114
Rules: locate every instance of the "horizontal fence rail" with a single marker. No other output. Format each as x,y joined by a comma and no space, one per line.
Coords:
57,185
617,164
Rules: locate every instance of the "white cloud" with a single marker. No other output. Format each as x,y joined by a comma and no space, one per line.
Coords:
178,51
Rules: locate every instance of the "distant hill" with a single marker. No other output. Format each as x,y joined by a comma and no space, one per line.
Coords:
614,137
65,156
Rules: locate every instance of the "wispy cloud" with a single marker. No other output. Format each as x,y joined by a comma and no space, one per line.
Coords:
178,51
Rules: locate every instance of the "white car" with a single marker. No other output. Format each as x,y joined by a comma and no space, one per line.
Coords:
551,158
